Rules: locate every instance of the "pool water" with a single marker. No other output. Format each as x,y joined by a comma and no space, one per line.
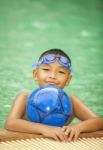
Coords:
27,28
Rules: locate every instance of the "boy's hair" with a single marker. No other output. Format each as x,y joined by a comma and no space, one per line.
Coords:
56,51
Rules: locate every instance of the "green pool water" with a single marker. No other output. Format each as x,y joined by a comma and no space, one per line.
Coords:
28,27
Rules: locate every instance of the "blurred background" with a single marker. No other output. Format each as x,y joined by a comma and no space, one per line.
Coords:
29,27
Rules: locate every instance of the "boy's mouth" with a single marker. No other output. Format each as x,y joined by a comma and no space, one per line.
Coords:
52,83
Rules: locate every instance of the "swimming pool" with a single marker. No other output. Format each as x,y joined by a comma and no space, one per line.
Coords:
27,28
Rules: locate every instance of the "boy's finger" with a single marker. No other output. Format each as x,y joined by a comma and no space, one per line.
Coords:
56,138
71,136
64,128
76,136
65,137
67,131
62,137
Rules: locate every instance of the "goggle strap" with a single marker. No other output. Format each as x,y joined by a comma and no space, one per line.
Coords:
35,65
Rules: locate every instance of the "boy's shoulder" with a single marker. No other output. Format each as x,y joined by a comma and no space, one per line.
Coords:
24,94
73,97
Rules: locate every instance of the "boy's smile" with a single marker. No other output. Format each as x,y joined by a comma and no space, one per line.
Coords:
52,74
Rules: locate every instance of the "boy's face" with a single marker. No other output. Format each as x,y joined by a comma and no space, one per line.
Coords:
52,74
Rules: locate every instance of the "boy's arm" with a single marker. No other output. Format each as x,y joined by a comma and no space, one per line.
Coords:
80,110
89,120
15,121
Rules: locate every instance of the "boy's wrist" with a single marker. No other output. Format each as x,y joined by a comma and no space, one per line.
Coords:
79,126
38,128
42,128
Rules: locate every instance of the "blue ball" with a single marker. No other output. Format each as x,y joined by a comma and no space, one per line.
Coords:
49,105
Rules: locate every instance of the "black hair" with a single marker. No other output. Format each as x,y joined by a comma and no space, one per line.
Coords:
56,51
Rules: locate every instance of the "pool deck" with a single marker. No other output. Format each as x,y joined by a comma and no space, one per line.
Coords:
6,135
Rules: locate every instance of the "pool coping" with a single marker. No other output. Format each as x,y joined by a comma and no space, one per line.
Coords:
6,135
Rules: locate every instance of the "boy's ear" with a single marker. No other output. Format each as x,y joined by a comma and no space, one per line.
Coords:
69,79
34,74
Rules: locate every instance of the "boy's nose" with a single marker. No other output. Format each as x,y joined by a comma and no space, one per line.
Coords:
52,75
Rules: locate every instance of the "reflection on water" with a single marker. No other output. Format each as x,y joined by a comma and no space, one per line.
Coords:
27,28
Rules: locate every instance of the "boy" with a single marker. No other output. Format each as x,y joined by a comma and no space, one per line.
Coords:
53,68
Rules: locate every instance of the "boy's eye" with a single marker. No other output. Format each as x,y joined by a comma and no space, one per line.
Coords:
62,72
45,69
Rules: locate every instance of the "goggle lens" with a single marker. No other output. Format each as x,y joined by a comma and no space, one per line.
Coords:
50,58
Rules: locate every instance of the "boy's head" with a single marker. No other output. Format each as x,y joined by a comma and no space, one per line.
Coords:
54,68
56,51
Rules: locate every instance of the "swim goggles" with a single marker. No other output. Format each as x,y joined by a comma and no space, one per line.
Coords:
50,58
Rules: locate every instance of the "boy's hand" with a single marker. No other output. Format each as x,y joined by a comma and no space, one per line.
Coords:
72,132
55,133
